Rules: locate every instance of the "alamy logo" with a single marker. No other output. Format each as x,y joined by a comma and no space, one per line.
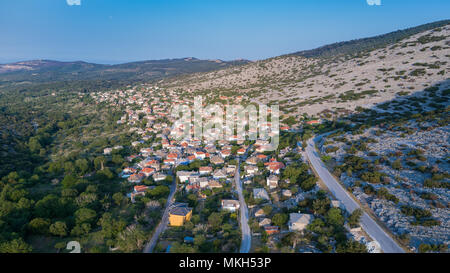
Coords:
74,246
374,2
232,123
73,2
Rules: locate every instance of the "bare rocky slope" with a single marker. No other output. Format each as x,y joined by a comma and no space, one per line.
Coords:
337,84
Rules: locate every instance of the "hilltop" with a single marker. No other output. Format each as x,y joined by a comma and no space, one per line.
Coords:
338,84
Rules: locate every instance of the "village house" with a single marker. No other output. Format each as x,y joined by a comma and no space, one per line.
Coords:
205,170
252,160
146,151
213,184
136,143
216,160
272,182
159,177
169,161
184,175
192,187
299,221
138,190
131,157
153,164
222,142
147,171
172,156
203,182
194,179
261,157
250,170
230,205
200,155
136,178
231,169
129,171
211,149
225,153
219,174
314,122
179,213
274,167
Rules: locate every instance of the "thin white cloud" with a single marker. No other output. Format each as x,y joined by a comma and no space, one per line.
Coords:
73,2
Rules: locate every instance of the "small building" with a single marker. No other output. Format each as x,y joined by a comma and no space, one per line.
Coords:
231,169
265,222
107,151
159,177
216,160
179,214
203,182
271,230
299,221
259,213
272,182
250,170
136,178
230,205
212,184
314,122
184,175
252,160
274,167
205,170
138,190
225,153
148,171
220,174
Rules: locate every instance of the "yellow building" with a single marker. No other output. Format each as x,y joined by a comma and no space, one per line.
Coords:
179,214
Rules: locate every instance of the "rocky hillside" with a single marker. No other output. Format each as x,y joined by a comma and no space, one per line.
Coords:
337,84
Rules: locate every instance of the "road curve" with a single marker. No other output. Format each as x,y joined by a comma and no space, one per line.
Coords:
245,229
164,221
387,244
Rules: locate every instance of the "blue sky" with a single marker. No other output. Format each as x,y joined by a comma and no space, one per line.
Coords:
113,31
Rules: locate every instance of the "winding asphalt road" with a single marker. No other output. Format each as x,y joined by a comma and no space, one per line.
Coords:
387,244
165,219
245,229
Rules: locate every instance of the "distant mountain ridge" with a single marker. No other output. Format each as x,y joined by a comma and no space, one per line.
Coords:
49,70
